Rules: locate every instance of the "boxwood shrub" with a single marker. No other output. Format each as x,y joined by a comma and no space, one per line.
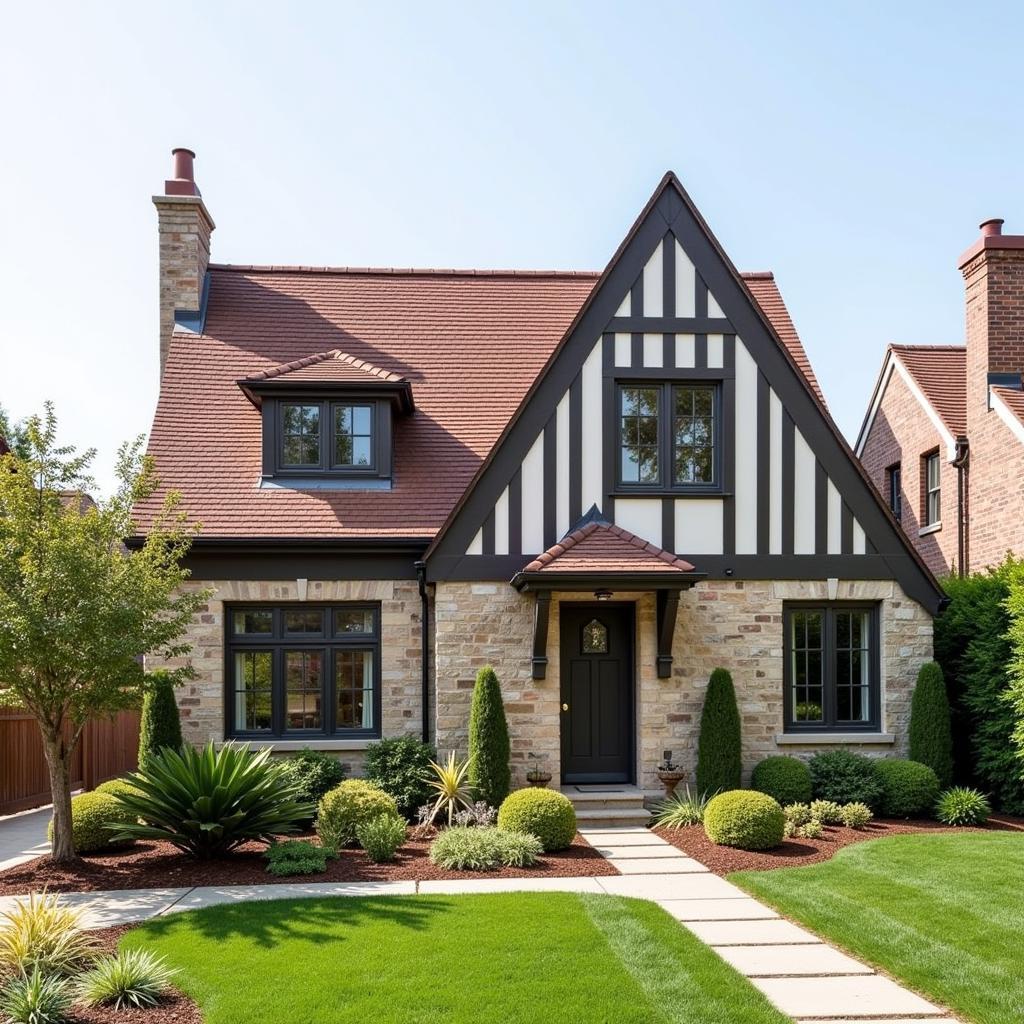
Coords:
348,806
909,788
745,819
543,813
845,777
95,819
786,779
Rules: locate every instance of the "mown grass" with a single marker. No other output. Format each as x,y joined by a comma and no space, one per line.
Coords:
516,958
944,913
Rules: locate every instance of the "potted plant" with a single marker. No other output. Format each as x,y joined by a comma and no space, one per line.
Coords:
537,774
669,773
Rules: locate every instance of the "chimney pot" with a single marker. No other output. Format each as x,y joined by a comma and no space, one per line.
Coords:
993,226
184,181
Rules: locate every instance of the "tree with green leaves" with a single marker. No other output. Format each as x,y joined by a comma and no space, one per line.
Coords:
160,725
490,775
719,754
931,737
14,434
78,611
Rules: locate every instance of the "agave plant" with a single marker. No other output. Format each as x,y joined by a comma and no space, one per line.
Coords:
451,789
207,802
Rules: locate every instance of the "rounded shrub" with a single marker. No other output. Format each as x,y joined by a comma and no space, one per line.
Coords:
160,723
828,812
401,767
745,819
962,806
381,837
543,813
909,789
95,819
931,734
786,779
348,806
115,787
489,774
845,777
856,815
719,753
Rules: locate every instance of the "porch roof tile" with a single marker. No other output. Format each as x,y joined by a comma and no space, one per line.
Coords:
600,547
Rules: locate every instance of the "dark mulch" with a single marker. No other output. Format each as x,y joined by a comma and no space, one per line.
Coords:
795,852
174,1008
151,865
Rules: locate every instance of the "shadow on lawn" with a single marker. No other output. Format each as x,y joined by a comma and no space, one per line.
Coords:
268,923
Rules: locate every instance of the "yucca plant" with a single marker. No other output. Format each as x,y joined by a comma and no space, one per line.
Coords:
449,783
35,998
133,978
45,934
207,802
681,809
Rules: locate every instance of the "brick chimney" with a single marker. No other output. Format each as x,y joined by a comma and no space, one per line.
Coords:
993,270
184,225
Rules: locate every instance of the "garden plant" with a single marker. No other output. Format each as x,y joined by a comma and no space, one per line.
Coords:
719,764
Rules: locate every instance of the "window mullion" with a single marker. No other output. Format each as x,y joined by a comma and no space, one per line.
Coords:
666,455
829,657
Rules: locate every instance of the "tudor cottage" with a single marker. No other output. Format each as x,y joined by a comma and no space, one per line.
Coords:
604,485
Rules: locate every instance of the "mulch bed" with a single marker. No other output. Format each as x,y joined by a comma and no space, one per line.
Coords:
158,865
795,852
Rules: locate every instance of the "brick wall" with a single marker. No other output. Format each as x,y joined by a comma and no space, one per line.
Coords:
733,624
902,432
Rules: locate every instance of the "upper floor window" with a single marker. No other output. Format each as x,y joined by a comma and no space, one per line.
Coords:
894,483
932,511
300,435
353,435
831,668
668,435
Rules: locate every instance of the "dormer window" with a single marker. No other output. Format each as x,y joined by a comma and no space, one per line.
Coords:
327,421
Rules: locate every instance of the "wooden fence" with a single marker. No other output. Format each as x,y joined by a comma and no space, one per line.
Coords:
107,748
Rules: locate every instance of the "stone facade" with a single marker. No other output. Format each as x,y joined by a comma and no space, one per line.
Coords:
202,700
735,625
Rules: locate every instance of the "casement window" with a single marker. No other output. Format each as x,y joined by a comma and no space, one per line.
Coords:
669,436
931,470
894,485
327,437
832,668
297,671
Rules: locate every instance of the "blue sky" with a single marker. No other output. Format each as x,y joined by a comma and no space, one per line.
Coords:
851,148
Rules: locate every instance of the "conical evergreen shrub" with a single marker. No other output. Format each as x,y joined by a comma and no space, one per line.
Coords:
489,772
719,763
931,737
161,723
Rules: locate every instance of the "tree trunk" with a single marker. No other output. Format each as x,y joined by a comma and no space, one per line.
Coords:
58,760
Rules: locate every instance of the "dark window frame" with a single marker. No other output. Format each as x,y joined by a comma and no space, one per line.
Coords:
666,482
277,642
894,484
829,724
927,491
274,466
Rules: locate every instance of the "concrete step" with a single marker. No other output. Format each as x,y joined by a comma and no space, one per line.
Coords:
612,817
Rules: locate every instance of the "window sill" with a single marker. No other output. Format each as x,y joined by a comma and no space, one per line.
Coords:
784,739
312,743
932,528
325,483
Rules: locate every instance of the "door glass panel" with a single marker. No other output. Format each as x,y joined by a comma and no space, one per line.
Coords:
595,638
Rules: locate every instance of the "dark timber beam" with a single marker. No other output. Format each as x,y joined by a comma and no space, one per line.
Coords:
668,606
541,615
669,325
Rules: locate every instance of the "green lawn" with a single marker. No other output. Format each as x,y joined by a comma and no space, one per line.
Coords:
517,958
944,913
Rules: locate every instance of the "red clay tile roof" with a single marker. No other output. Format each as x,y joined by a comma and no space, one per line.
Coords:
334,365
940,371
607,549
469,342
1013,399
767,295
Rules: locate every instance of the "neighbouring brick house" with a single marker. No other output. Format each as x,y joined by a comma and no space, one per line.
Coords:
604,485
943,437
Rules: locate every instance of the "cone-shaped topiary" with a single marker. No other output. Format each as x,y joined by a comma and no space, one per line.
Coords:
489,773
931,737
718,753
161,723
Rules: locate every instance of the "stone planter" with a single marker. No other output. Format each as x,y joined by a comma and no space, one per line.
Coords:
670,778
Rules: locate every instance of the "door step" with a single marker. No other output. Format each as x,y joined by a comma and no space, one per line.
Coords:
608,806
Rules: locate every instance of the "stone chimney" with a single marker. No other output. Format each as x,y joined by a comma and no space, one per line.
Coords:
184,225
993,270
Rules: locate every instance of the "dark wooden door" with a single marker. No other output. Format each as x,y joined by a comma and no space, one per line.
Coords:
597,693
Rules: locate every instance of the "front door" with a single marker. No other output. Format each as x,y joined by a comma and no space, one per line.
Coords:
597,692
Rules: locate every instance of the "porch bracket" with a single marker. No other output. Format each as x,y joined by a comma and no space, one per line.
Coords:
541,614
668,606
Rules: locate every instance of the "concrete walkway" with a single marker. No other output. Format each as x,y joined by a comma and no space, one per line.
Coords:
804,977
23,837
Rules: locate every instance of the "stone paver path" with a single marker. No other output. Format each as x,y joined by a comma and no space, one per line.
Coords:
804,977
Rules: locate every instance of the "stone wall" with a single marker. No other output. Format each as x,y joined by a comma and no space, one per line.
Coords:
736,625
202,700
